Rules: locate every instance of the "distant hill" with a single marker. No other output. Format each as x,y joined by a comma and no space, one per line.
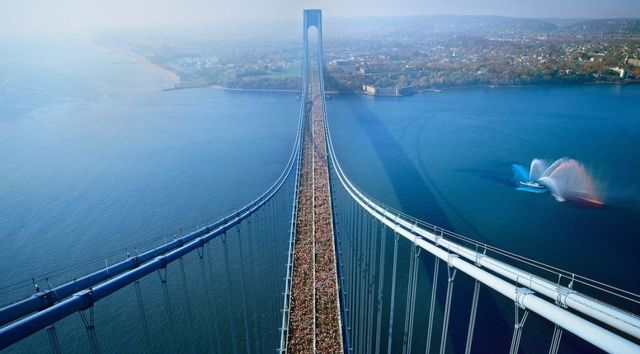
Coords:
624,26
436,24
471,25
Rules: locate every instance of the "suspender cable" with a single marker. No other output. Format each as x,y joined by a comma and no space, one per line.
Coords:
188,304
91,330
472,316
205,283
265,236
53,339
447,304
272,304
162,273
212,298
361,281
374,250
356,276
432,307
353,268
383,234
557,330
407,312
393,289
275,309
351,271
232,322
242,287
365,282
143,315
413,297
519,319
252,266
339,221
555,340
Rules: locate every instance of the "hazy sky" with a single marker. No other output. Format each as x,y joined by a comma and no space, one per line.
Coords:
63,15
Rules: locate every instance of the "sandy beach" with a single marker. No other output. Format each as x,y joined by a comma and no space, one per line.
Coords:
168,75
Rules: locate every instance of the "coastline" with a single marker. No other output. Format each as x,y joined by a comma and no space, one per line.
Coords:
177,84
140,59
183,86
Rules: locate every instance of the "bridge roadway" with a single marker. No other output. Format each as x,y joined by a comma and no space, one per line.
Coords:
314,324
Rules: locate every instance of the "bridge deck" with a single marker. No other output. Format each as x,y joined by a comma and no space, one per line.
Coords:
315,318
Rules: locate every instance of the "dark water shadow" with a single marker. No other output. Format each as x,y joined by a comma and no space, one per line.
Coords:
416,192
415,195
489,175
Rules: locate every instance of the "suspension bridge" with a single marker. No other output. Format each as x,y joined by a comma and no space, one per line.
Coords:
316,265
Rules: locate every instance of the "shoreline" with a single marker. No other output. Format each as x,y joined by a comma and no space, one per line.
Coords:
177,84
174,79
421,91
140,59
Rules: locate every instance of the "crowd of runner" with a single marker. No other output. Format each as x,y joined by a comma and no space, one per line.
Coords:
328,331
301,319
314,230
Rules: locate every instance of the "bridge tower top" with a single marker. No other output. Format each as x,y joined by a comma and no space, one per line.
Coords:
313,17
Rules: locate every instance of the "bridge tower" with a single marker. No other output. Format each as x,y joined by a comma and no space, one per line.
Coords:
312,18
314,323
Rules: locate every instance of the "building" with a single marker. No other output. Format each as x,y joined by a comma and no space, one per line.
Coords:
387,91
633,62
621,72
370,90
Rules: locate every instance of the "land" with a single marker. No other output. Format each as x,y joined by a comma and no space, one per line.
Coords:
399,55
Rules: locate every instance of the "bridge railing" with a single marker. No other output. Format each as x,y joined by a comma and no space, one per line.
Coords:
286,306
596,321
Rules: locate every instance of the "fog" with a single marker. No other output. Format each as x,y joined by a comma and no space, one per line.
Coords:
49,16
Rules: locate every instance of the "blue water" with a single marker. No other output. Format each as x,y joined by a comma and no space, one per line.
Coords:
96,158
446,158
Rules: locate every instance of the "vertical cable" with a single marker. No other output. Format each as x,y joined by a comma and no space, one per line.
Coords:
393,289
143,315
252,266
352,273
432,307
355,274
451,272
472,316
167,305
263,316
517,328
555,340
361,283
212,298
210,330
242,287
91,330
232,322
364,277
407,312
188,304
416,268
383,234
53,339
370,287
